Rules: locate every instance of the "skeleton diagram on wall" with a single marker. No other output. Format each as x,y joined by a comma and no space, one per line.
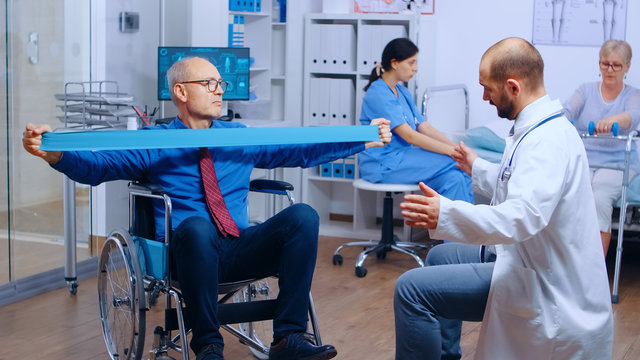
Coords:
394,6
611,12
578,22
557,18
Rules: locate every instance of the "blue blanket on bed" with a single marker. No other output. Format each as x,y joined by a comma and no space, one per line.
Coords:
487,144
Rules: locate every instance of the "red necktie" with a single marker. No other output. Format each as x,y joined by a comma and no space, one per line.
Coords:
215,201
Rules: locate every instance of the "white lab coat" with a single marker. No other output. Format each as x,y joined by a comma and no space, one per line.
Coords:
549,296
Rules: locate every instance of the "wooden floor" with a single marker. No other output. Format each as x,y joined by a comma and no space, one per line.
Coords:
356,314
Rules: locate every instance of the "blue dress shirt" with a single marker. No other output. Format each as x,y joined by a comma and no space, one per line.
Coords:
177,171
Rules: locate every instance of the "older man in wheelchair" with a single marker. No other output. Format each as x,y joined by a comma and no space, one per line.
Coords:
211,238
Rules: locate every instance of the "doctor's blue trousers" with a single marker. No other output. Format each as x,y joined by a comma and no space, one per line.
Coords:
431,302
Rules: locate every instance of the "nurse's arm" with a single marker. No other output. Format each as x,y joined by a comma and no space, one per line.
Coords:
423,141
428,130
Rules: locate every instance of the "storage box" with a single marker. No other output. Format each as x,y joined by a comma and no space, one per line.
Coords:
338,168
326,170
349,171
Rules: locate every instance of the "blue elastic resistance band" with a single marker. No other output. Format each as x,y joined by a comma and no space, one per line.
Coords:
212,137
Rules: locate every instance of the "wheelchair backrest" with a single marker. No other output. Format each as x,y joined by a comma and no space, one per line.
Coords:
144,222
153,255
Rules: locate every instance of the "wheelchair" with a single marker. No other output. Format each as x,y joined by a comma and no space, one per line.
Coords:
134,271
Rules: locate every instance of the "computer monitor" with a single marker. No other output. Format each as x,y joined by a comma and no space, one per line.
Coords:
232,63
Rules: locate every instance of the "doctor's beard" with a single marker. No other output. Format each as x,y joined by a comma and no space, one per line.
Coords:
506,110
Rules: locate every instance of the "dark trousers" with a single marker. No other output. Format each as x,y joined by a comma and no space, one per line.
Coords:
286,244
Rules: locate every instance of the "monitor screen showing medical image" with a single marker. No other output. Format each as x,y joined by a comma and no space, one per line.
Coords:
232,63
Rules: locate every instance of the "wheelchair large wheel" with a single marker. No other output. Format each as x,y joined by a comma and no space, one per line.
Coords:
121,298
260,331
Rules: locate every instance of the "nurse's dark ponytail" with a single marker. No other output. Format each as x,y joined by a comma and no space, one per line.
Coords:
397,49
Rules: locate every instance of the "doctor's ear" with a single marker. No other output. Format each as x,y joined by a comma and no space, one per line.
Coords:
513,86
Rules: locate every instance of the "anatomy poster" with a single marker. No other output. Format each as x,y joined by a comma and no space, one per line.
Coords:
394,6
578,22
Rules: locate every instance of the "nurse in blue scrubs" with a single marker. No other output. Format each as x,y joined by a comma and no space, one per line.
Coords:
418,151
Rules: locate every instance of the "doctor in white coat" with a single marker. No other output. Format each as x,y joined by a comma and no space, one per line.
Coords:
547,294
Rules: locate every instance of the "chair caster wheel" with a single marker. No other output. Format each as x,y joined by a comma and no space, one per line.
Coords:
73,287
361,271
165,357
337,259
381,254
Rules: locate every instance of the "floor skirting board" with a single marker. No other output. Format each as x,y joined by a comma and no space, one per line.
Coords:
49,280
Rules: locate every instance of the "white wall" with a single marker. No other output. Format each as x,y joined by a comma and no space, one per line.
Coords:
453,40
131,58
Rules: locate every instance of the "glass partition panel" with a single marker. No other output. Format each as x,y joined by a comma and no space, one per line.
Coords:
46,45
5,249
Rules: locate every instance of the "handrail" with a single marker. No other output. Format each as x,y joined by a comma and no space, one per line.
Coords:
428,94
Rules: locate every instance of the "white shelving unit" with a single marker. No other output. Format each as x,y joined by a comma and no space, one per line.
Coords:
339,53
267,40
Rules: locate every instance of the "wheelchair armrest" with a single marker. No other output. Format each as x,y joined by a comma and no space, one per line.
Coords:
270,186
151,189
258,185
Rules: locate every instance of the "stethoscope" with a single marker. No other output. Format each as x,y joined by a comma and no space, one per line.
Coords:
406,118
506,172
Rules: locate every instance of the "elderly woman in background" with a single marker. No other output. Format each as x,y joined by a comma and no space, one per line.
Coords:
605,103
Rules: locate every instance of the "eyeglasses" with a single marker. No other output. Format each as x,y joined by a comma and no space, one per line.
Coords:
605,66
212,85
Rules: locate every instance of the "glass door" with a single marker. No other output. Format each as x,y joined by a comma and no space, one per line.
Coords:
46,44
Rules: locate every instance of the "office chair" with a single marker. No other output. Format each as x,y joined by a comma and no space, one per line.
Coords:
388,240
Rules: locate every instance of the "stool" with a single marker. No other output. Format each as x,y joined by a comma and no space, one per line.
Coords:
388,240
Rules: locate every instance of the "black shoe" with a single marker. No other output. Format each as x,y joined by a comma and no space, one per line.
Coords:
296,346
210,352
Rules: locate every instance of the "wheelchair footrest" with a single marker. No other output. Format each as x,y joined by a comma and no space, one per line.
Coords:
233,313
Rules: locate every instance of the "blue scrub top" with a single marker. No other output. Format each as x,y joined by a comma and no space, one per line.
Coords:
380,101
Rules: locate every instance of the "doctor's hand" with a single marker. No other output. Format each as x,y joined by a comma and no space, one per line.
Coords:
384,131
465,157
32,139
422,210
